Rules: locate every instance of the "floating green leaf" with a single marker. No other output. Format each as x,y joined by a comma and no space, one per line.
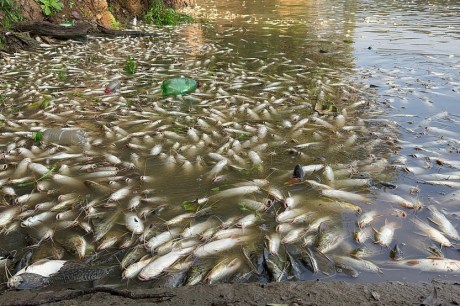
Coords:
190,205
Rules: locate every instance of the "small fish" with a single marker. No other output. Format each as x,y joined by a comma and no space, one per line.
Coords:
432,233
133,270
443,223
329,239
274,241
161,238
160,263
402,202
358,264
133,223
366,218
362,235
276,266
218,246
75,244
384,236
345,196
223,269
396,253
441,265
43,267
234,192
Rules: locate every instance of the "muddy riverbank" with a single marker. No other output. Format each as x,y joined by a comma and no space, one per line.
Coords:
287,293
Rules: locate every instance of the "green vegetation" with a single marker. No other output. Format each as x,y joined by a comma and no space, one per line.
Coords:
51,7
160,15
115,23
61,75
43,104
130,66
11,14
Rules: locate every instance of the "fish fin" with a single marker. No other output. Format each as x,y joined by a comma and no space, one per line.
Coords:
144,257
43,260
325,256
434,257
432,221
421,234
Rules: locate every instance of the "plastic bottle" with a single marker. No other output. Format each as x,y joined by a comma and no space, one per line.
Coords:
179,86
112,86
64,136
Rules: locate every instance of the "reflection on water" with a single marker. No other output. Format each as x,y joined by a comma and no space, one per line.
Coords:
202,188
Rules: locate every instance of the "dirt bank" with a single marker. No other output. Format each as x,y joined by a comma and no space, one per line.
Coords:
108,13
288,293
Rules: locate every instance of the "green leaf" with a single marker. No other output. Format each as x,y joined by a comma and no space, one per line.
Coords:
242,206
190,206
47,11
215,189
46,103
37,136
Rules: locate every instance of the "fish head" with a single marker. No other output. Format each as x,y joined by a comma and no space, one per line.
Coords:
15,281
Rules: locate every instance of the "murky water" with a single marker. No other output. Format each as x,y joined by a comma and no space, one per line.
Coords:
362,97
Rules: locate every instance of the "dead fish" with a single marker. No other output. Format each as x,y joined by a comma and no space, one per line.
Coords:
367,218
358,264
28,281
43,267
432,233
224,269
161,263
74,272
385,234
442,265
396,253
277,267
401,201
345,196
443,223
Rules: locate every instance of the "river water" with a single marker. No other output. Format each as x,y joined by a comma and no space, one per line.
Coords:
360,95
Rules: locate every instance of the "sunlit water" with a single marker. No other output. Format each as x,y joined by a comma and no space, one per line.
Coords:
367,91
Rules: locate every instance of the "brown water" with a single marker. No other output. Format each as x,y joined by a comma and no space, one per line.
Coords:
266,66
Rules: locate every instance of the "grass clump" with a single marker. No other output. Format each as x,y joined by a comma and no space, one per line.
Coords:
115,23
160,15
130,66
11,13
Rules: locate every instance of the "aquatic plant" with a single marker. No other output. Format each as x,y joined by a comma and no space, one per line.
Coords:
130,66
51,7
11,14
160,15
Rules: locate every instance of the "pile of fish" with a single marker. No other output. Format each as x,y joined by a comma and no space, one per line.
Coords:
274,170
